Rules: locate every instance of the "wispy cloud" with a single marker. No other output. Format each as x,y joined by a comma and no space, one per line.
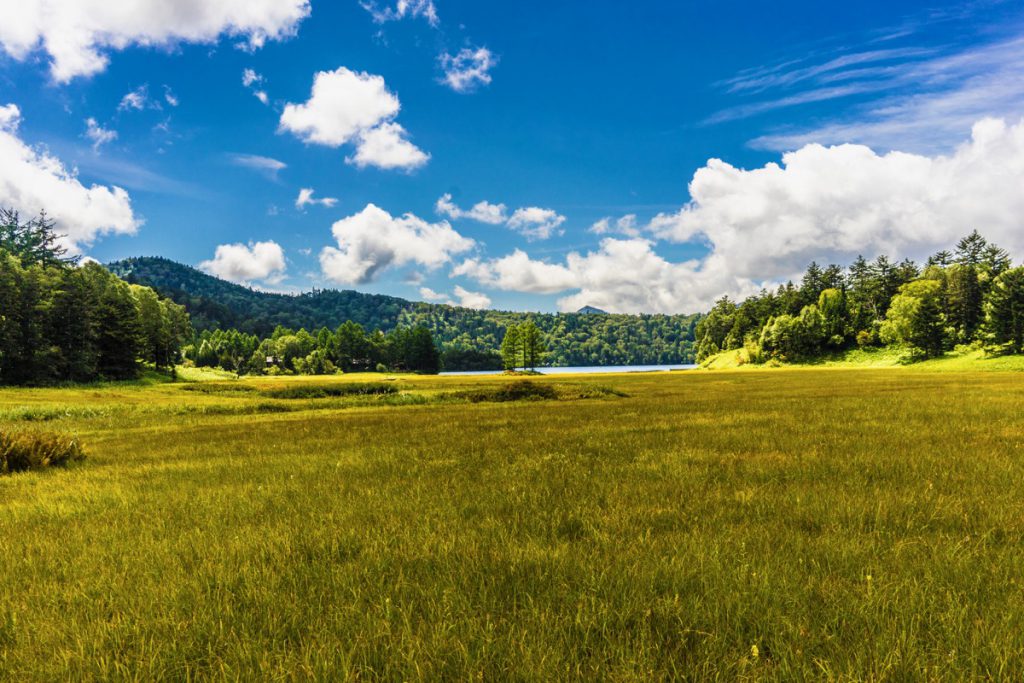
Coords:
268,166
915,97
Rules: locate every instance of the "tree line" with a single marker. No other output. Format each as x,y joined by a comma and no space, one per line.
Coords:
349,348
61,321
968,296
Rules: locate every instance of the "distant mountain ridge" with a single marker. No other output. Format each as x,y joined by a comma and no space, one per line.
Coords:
573,338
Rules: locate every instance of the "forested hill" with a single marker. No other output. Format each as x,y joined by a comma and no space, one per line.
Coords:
572,339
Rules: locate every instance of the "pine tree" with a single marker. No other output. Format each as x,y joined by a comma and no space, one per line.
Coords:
510,347
1004,312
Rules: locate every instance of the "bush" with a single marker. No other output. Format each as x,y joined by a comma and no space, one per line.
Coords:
34,451
300,391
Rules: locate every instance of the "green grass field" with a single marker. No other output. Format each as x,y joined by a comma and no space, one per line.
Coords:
785,525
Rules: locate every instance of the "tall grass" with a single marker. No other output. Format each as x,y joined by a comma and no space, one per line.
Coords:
783,525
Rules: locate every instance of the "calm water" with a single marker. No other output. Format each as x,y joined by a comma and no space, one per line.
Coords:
585,369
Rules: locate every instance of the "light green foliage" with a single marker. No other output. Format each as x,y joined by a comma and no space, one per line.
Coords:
659,536
915,319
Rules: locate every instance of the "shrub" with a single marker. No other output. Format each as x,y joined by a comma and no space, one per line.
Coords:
300,391
24,451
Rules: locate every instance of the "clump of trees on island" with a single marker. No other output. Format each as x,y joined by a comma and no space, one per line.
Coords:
971,296
61,321
523,347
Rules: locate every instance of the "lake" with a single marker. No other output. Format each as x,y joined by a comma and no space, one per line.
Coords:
585,369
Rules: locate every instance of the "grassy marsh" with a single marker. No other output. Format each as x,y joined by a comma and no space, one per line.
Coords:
784,525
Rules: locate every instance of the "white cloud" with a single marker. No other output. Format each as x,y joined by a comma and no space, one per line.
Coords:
625,225
623,276
465,298
386,147
97,134
267,166
832,203
170,97
305,198
252,81
137,99
427,294
535,222
483,211
468,299
78,34
518,272
909,99
250,77
263,261
467,70
373,240
401,10
347,106
32,180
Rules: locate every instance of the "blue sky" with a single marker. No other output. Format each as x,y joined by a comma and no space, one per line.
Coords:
583,137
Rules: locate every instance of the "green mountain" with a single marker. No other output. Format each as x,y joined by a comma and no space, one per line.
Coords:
572,338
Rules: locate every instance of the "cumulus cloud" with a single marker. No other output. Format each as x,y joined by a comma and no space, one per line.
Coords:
468,299
427,294
267,166
463,297
259,261
374,240
467,70
32,180
483,211
401,10
305,198
77,35
622,276
535,223
385,147
347,106
97,134
833,203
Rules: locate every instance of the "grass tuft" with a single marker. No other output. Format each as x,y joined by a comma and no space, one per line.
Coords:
21,452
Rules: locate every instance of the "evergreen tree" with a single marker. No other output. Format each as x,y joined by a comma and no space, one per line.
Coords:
1004,312
510,348
532,345
33,242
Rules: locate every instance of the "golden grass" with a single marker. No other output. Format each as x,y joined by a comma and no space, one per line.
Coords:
821,524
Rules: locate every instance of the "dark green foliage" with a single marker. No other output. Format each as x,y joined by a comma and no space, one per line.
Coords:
1004,312
572,339
461,360
300,391
20,452
63,323
34,242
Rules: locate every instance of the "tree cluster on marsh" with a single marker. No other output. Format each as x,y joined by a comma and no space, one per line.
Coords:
970,296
